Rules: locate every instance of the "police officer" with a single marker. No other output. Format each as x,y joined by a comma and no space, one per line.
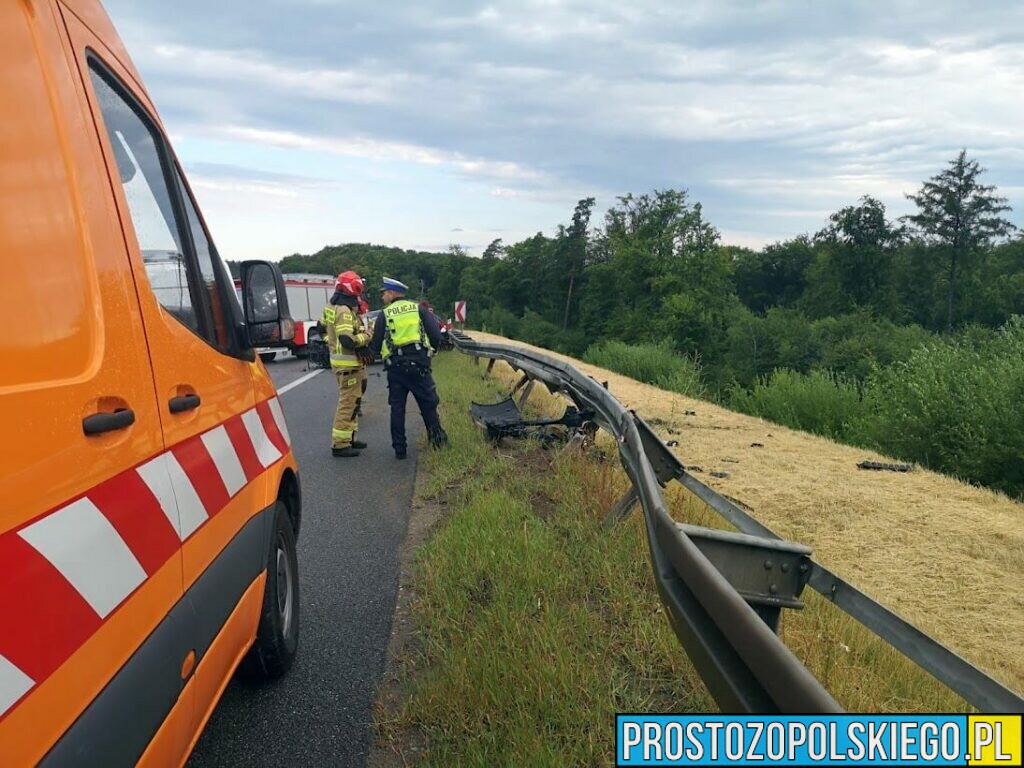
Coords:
346,340
404,336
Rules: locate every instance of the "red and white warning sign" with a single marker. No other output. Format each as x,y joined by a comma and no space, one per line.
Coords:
460,311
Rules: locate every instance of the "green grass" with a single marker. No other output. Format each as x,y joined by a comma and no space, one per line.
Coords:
534,625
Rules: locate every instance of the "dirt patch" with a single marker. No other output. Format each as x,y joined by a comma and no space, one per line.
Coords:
543,506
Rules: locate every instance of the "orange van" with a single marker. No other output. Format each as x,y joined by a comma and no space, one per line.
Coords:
149,498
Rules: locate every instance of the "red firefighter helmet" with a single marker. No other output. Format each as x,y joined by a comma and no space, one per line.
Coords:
349,283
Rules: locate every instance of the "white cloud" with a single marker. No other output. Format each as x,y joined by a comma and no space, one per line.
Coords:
770,112
253,69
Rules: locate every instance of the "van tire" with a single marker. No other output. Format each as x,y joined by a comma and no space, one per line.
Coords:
277,637
267,357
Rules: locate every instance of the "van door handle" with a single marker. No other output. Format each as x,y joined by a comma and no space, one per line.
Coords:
99,423
183,403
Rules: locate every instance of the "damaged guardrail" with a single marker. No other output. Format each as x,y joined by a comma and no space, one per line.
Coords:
724,591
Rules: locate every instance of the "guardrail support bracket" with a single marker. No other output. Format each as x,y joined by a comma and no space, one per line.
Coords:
770,574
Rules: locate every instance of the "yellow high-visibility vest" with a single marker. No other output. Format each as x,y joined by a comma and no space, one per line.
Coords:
402,326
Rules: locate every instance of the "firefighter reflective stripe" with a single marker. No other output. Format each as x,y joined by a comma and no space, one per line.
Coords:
13,684
218,445
64,573
342,435
343,360
265,450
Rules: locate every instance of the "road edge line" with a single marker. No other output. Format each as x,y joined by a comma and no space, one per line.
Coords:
297,382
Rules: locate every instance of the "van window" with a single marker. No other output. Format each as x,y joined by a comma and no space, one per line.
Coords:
209,265
134,145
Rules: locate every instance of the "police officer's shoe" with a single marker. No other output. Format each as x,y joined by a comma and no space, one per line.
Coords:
347,452
358,445
401,455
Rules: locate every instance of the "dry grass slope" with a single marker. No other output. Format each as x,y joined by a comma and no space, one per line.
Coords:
946,555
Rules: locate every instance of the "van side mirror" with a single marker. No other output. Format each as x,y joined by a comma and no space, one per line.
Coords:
265,303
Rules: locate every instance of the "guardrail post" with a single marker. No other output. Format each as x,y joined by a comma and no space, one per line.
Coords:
622,508
526,394
519,385
490,367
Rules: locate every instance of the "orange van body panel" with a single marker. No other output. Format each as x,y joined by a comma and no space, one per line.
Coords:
79,349
30,729
165,749
225,654
217,666
80,341
94,16
92,337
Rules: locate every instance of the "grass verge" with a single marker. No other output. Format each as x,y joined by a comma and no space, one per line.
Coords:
533,625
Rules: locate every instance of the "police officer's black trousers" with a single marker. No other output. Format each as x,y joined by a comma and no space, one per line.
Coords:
405,376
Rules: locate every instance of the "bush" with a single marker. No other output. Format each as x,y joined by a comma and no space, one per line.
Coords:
656,364
500,321
821,402
534,329
956,407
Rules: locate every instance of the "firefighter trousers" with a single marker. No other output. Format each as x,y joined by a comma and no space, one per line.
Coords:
346,417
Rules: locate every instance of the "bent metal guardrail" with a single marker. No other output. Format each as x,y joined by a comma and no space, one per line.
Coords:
724,591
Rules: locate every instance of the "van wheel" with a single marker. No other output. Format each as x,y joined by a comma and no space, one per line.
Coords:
277,638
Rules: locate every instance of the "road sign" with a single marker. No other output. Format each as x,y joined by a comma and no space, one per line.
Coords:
460,311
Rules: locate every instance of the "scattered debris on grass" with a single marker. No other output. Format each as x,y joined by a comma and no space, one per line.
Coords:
886,466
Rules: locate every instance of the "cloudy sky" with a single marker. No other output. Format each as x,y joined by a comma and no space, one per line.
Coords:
307,122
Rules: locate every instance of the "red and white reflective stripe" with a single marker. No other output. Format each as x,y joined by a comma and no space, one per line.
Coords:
218,444
64,573
266,452
13,684
282,426
87,551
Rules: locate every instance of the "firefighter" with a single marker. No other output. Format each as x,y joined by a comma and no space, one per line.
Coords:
346,340
405,336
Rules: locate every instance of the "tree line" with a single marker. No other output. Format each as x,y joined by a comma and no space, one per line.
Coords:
654,270
844,310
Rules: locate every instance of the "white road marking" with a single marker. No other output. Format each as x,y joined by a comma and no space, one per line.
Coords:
297,382
265,450
226,460
13,684
88,551
278,414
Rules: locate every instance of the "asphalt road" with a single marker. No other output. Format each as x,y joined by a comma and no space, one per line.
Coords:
354,519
